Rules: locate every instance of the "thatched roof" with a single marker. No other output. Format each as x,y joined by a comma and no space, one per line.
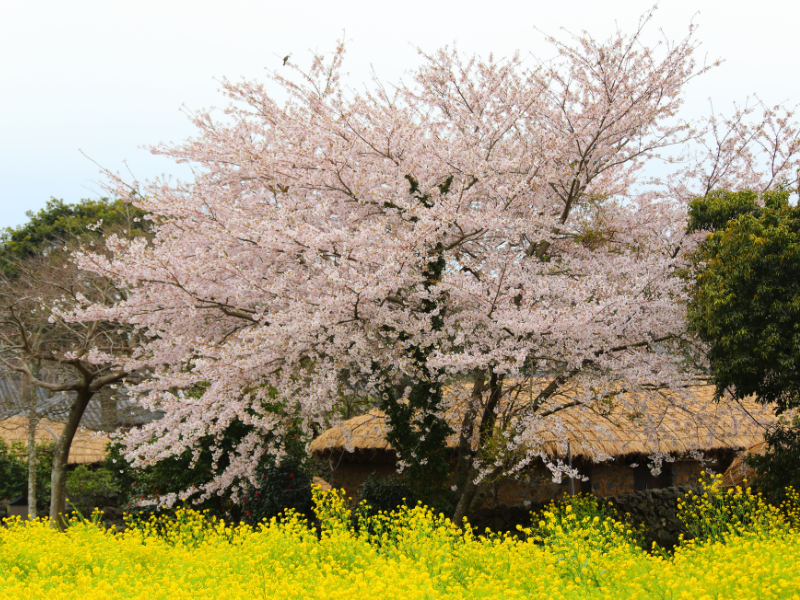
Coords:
87,446
704,426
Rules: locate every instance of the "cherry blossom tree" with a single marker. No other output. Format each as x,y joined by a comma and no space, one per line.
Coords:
485,227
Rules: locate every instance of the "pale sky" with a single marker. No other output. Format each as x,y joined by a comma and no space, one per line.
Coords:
108,78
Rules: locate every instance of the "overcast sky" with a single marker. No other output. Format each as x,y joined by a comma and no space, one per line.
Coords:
107,79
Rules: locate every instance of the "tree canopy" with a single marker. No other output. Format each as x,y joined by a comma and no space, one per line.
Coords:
746,298
59,225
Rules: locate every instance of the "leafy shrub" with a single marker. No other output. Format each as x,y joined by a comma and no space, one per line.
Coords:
384,493
141,489
278,488
87,489
14,472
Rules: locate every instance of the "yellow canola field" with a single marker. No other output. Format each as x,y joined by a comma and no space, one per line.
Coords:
410,555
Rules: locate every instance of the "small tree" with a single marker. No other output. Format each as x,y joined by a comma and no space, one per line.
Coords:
38,281
87,487
14,472
779,466
25,400
746,297
746,307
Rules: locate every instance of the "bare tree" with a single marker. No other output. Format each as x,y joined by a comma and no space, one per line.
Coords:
39,284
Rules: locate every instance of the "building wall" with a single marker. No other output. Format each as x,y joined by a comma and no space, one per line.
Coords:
535,485
686,473
350,476
612,479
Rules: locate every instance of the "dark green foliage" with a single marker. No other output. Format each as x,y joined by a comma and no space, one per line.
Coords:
415,430
14,472
88,489
420,443
57,224
285,486
779,467
384,493
279,488
746,296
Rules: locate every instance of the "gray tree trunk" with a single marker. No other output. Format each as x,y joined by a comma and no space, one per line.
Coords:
468,489
28,397
61,454
33,462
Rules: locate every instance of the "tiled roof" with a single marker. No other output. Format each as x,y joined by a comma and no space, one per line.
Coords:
56,407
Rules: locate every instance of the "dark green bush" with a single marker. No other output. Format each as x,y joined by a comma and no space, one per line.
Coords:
173,475
89,489
14,472
278,488
385,493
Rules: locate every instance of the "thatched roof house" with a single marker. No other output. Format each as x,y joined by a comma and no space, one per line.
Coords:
358,446
87,447
720,428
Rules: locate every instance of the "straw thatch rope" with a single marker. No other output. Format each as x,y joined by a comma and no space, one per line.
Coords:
87,446
323,485
704,426
739,470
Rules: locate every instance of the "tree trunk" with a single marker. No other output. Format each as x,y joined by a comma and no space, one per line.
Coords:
60,455
469,488
464,452
33,462
28,396
465,499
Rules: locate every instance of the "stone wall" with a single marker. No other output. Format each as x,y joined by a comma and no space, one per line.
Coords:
657,510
